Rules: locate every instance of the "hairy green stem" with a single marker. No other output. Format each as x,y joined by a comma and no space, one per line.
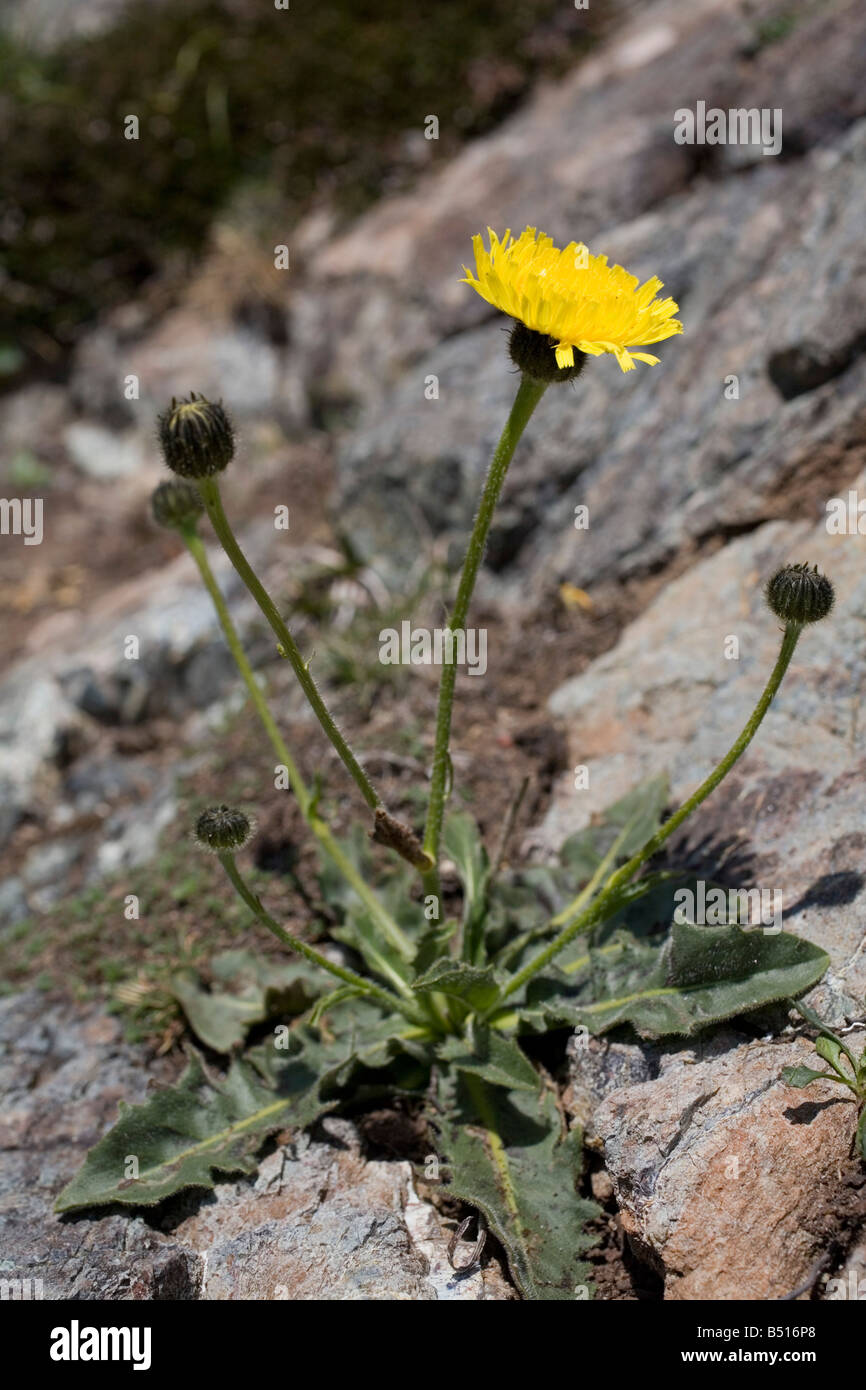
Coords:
597,910
383,920
288,647
587,893
529,393
348,977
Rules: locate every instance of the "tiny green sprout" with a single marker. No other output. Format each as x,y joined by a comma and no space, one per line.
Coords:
846,1069
196,436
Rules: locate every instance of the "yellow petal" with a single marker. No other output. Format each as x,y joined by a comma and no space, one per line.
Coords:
572,296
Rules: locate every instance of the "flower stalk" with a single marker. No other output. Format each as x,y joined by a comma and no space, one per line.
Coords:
384,921
362,983
598,909
529,393
288,647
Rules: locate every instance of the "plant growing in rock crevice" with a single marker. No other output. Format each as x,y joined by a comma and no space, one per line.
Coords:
846,1069
422,1004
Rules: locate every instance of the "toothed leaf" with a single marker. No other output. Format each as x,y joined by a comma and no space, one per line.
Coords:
185,1135
432,945
493,1057
477,987
508,1157
701,975
246,990
829,1050
804,1076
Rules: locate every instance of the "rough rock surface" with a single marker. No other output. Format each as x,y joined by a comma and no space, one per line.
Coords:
77,680
318,1222
730,1181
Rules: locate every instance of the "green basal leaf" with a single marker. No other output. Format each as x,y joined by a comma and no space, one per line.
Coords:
395,891
334,888
462,841
649,904
477,987
640,908
493,1057
811,1017
701,975
632,820
187,1134
183,1136
558,995
375,1042
804,1076
509,1158
247,990
831,1051
520,909
290,985
361,933
393,884
330,1001
220,1021
433,945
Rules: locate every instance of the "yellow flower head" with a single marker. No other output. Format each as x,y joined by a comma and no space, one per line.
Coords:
576,299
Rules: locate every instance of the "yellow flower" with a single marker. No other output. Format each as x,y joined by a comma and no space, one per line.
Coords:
576,299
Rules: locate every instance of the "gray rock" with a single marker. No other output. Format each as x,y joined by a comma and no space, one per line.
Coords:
33,711
13,903
38,409
598,1066
76,685
101,453
222,360
732,1183
110,697
130,836
49,862
97,781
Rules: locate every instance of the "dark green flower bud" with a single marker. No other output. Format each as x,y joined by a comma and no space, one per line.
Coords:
798,594
196,437
223,829
534,353
176,505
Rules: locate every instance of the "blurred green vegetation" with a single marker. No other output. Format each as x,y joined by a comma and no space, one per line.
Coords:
315,101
